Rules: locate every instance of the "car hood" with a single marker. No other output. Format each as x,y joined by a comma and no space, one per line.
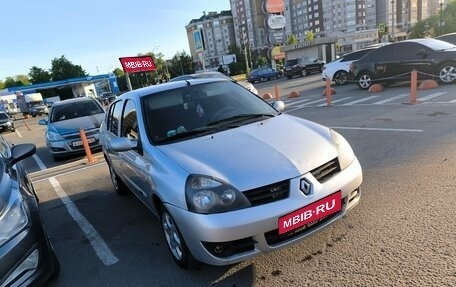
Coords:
74,125
279,148
2,121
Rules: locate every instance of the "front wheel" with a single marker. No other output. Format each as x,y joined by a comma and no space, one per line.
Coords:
364,80
175,241
447,73
340,78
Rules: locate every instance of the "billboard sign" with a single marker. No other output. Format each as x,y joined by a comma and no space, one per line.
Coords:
274,6
276,37
137,64
276,21
198,40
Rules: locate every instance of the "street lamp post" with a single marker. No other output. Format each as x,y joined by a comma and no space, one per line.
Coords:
440,17
392,20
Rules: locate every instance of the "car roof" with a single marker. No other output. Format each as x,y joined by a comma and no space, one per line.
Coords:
72,100
169,86
200,76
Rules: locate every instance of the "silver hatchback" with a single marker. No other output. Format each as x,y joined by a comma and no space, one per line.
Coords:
65,121
229,175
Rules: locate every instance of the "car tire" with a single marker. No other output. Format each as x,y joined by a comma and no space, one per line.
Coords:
175,242
303,72
447,73
262,79
364,80
340,78
289,77
119,185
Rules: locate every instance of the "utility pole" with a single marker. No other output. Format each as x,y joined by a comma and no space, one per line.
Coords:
392,21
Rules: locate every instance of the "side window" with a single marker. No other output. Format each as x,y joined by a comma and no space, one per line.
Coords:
129,121
114,117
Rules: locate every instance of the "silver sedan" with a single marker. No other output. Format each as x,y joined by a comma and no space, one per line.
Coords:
229,175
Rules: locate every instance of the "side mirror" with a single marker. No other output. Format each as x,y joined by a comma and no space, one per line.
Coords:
123,144
279,106
19,152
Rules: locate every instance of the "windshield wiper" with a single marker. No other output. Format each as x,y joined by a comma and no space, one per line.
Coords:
240,117
184,134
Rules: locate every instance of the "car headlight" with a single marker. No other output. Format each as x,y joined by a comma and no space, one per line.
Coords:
346,154
53,136
8,124
13,217
208,195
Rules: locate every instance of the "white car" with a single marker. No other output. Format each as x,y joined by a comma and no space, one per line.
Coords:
228,175
337,70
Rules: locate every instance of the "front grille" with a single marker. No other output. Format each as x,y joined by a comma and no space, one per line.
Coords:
326,171
268,193
77,136
273,237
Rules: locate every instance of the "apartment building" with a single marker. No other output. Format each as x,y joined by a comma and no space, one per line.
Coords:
218,34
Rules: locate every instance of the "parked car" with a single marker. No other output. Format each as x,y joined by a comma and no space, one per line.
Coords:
228,175
249,86
263,74
302,67
394,63
26,254
65,121
337,70
450,38
6,123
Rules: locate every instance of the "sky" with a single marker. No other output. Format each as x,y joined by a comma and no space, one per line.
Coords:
93,34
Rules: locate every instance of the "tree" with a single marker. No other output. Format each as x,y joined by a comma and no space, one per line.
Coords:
19,80
444,22
38,75
181,63
63,69
309,36
2,85
292,40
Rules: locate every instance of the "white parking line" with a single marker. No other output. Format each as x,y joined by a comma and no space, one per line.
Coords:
335,101
39,162
99,246
391,99
431,96
360,100
379,129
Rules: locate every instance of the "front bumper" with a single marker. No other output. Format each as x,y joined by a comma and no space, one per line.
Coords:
27,259
252,231
67,146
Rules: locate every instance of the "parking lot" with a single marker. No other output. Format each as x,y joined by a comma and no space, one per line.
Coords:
401,234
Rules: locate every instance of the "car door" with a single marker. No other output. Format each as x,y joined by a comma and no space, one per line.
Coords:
134,167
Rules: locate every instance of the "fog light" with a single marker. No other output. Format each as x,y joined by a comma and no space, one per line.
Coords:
219,249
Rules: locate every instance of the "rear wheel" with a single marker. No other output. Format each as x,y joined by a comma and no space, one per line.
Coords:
176,244
262,79
364,80
447,73
340,78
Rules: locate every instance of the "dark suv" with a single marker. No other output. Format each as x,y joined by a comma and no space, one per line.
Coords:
302,67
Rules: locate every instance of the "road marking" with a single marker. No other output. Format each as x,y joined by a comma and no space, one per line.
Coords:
391,99
99,246
379,129
39,162
335,101
431,96
359,101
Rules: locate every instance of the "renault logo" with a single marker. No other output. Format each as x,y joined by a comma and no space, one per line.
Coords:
305,186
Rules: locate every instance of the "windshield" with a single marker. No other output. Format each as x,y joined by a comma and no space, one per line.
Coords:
3,116
74,110
290,63
201,109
